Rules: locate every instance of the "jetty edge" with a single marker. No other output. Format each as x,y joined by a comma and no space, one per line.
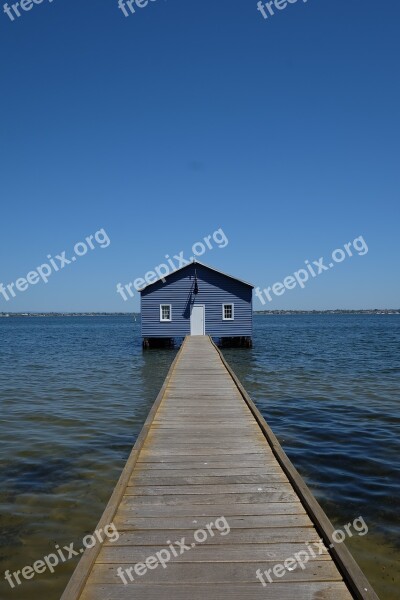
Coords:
203,427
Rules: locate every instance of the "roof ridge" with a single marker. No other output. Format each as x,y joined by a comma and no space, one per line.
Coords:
196,262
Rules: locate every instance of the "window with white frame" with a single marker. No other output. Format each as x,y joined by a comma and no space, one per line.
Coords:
165,312
228,312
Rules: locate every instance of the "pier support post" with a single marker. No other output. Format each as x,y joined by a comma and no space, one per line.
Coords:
158,343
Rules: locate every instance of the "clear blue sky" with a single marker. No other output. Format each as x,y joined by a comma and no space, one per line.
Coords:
187,117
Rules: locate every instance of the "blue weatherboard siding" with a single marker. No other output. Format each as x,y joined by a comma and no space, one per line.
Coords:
215,289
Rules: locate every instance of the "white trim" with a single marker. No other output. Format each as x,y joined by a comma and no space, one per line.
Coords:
170,313
232,318
204,315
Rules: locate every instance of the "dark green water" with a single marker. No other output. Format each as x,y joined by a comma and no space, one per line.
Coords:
76,391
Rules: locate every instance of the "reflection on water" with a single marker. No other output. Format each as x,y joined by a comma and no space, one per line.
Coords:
76,391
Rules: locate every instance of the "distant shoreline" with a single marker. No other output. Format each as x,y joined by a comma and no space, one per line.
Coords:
366,311
375,311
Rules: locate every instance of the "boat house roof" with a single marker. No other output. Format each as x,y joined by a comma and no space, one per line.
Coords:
195,262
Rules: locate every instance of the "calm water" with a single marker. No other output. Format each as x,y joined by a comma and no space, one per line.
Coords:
76,391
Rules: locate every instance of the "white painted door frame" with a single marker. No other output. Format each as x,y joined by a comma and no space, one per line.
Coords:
198,319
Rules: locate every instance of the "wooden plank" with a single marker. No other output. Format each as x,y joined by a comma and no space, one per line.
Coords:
181,424
215,464
201,424
240,553
129,510
162,445
173,438
207,489
269,535
169,411
196,451
190,471
168,522
147,480
227,499
220,572
316,590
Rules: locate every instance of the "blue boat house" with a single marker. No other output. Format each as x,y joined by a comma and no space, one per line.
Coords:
197,300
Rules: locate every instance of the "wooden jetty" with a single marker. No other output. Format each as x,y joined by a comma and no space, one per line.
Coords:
206,452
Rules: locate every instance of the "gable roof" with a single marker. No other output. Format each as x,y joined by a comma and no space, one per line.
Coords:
196,262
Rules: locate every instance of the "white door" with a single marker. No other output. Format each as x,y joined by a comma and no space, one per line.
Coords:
197,320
